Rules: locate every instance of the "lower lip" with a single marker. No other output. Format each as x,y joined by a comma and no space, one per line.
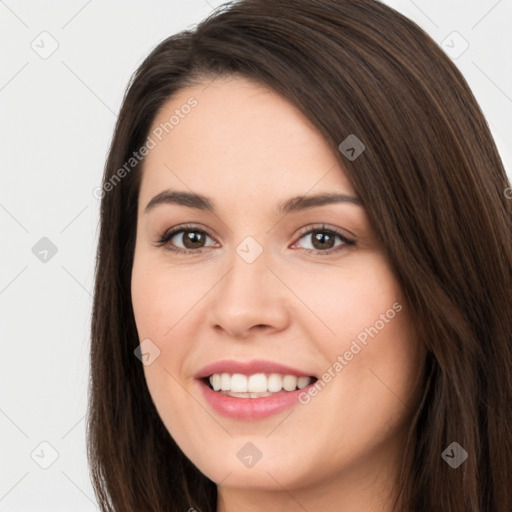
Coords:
251,408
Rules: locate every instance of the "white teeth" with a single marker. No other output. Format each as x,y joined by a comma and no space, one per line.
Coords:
256,385
239,383
290,382
246,395
302,382
225,382
275,382
215,381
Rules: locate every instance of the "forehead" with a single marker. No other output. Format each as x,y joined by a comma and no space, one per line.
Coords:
238,136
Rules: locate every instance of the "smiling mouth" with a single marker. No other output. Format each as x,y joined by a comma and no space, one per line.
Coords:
256,385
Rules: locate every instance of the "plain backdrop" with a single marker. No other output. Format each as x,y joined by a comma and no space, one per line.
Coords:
64,69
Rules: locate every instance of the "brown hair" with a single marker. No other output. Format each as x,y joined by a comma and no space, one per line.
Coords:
432,183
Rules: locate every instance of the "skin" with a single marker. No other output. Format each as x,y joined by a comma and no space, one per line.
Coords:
248,149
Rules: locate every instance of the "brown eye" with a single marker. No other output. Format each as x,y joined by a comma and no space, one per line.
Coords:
192,239
323,240
186,240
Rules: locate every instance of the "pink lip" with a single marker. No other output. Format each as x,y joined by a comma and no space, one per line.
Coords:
249,368
250,408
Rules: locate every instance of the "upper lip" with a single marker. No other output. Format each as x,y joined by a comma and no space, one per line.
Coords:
249,368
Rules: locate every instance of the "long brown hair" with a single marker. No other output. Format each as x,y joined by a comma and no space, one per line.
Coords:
433,186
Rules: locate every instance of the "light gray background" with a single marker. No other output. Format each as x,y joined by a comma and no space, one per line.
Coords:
57,117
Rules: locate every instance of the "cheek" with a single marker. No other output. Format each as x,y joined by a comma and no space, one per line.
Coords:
373,361
157,303
160,297
351,299
162,303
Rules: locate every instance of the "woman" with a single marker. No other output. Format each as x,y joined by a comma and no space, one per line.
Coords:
303,280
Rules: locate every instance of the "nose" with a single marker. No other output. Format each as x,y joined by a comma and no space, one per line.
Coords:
249,299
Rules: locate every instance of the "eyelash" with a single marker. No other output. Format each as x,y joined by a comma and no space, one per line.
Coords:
163,240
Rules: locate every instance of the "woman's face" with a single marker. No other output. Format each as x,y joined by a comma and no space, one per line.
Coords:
274,294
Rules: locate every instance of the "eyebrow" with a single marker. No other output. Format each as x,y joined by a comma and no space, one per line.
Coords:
293,204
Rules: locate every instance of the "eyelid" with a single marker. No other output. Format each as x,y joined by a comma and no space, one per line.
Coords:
170,233
323,227
165,238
